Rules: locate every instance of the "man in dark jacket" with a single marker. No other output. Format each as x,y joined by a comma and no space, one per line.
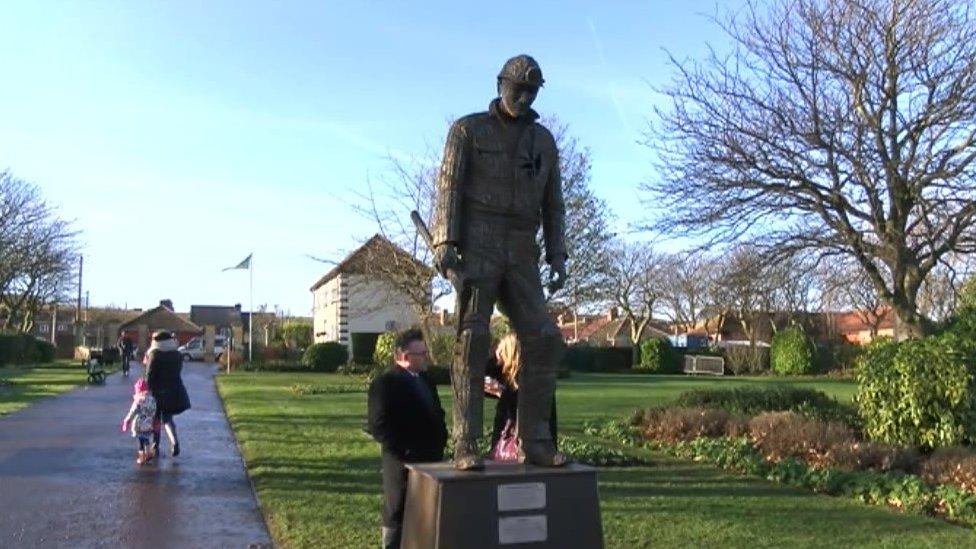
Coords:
406,418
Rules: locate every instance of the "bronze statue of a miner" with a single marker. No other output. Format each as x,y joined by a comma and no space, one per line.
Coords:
498,182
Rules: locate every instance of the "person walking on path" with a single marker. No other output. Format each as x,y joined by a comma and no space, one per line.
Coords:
164,367
405,416
126,347
141,420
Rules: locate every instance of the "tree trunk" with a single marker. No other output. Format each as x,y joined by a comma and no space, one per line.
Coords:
910,325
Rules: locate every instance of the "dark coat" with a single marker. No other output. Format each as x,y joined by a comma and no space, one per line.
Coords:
507,408
163,373
402,420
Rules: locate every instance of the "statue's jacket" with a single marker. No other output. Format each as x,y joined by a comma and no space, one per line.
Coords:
499,180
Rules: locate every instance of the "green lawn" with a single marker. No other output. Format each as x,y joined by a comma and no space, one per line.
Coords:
317,475
21,385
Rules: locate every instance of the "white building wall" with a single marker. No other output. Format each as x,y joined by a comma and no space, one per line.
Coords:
350,304
326,311
375,306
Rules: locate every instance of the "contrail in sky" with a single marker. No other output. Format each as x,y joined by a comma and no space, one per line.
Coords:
610,85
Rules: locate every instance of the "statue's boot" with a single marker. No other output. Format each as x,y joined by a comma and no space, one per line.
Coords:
542,453
537,385
467,381
467,457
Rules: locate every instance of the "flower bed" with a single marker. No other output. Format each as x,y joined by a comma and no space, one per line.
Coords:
826,456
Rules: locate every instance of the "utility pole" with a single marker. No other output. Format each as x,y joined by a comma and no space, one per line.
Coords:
86,319
81,267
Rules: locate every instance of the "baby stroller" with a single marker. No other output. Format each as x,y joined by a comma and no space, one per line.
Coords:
93,365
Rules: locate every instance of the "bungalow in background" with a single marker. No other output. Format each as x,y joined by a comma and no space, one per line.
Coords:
140,328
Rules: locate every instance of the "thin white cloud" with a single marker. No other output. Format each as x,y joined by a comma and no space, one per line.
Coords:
613,94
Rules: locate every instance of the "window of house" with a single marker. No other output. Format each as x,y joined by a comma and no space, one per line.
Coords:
45,328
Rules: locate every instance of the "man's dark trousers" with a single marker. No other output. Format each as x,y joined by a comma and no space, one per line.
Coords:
406,418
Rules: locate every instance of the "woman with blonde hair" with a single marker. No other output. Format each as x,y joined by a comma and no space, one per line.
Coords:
502,383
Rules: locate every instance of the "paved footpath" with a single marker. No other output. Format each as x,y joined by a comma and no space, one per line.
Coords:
68,477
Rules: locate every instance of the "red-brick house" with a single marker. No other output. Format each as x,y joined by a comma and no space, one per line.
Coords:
140,328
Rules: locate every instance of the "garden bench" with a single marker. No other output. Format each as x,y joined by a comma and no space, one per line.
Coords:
697,364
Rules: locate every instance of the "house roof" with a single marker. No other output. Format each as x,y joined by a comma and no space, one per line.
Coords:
161,318
357,261
853,321
215,315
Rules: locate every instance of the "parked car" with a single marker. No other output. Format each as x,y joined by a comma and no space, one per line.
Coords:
193,350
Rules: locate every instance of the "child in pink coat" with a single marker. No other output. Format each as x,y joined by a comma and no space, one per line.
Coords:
141,420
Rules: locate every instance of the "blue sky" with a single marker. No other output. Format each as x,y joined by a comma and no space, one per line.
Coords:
187,135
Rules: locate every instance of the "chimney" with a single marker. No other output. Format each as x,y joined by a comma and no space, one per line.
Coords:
612,313
238,307
168,303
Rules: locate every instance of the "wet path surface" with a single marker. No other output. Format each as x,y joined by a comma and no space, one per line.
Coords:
68,477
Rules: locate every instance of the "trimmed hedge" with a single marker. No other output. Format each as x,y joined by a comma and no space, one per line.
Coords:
325,357
584,358
919,392
753,400
658,356
837,356
16,348
46,351
792,353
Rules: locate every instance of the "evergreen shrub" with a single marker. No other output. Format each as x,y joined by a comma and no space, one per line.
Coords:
17,348
383,352
919,392
657,356
325,357
792,353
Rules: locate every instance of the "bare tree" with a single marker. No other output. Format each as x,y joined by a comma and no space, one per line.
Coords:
741,290
399,258
940,294
37,253
794,291
588,232
634,285
684,281
411,185
845,127
849,287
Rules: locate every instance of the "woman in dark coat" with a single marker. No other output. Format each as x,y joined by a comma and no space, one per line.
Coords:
501,382
164,367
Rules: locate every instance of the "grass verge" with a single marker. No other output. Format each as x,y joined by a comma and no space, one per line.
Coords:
22,385
317,475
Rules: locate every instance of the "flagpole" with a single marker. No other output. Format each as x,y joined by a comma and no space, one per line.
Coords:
250,313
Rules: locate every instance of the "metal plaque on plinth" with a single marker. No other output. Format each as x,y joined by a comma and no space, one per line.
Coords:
506,505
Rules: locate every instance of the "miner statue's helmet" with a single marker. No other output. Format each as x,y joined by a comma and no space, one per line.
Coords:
522,69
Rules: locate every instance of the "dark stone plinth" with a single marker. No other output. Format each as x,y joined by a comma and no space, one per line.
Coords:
506,505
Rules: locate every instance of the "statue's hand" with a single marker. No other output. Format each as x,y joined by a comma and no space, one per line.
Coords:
557,274
446,257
